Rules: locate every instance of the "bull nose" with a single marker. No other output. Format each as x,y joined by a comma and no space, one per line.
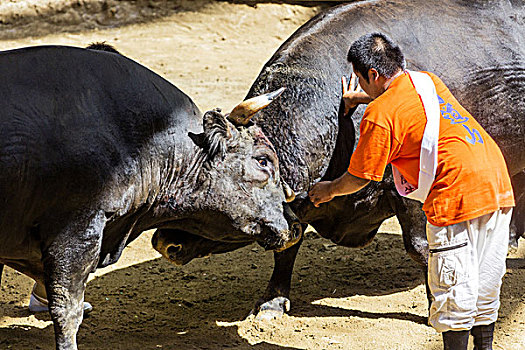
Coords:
296,233
162,244
172,250
293,222
296,230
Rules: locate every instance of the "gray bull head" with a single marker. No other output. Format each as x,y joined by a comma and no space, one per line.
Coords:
240,196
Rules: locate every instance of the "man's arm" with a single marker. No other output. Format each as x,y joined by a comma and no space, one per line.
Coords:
325,191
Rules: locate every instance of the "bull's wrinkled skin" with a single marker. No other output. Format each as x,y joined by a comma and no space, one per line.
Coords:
476,47
95,149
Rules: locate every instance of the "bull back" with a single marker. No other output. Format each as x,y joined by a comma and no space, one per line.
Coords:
477,48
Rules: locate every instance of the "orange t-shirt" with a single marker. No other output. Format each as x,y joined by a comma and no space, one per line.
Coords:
471,177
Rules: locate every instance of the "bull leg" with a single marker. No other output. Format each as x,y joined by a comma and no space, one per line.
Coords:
1,270
68,260
517,223
416,245
430,298
413,224
275,300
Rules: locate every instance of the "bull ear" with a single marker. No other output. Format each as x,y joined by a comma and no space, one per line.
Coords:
198,139
216,133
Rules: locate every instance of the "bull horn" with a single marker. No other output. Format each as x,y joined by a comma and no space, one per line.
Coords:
244,111
288,192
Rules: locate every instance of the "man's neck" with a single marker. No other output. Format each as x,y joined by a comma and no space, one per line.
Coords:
390,80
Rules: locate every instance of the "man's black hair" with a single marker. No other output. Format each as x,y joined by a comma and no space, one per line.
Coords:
378,51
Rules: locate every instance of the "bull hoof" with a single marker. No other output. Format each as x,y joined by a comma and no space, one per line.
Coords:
38,304
272,309
513,247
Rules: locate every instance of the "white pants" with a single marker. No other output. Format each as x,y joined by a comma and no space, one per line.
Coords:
466,265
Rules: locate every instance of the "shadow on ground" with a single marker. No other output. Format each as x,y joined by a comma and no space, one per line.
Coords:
156,305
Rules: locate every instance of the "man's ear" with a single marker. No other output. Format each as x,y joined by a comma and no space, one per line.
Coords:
373,74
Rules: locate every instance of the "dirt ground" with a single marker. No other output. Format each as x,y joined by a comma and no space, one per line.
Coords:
342,298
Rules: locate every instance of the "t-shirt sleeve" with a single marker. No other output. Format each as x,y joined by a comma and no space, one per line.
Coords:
373,152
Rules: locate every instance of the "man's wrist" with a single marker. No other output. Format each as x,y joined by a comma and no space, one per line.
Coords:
333,190
363,98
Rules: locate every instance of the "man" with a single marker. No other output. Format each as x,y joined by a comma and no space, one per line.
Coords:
442,157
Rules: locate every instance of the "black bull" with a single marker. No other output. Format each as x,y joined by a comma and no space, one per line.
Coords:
476,47
95,149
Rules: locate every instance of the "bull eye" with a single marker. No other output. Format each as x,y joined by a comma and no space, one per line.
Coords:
263,161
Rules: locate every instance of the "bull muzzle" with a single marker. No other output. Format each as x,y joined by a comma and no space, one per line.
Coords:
167,249
296,229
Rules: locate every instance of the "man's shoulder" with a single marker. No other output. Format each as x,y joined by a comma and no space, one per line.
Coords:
395,98
398,105
437,80
380,112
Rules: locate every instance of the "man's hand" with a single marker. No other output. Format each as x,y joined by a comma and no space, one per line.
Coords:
321,193
325,191
353,96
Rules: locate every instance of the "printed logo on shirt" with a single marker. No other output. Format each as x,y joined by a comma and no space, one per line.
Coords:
406,185
449,113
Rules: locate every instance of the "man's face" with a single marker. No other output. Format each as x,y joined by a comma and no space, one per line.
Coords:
366,86
375,85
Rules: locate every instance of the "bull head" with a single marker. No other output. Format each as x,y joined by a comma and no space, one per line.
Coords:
217,128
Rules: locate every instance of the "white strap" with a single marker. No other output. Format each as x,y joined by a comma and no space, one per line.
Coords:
429,144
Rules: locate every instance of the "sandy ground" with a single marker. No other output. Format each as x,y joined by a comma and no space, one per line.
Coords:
371,298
